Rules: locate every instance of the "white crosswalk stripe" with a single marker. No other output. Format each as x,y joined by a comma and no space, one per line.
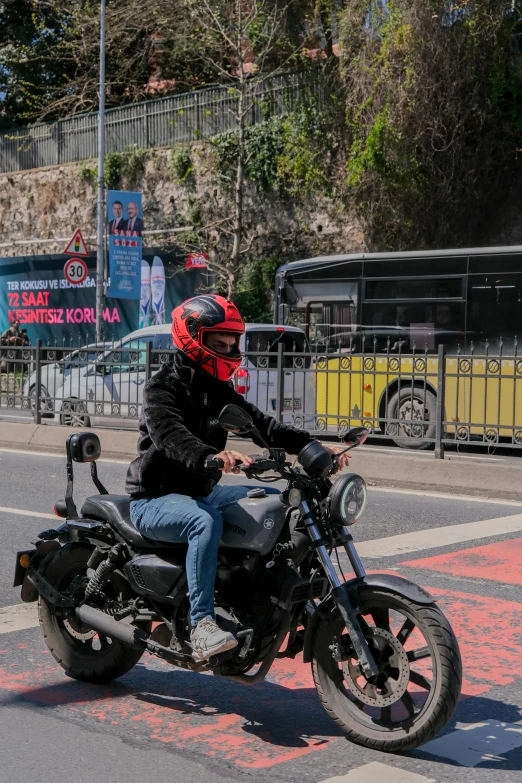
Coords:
439,536
18,617
376,772
478,743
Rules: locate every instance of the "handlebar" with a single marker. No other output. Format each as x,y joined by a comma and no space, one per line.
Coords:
260,464
211,463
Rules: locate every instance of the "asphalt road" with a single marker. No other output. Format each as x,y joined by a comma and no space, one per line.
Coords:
159,721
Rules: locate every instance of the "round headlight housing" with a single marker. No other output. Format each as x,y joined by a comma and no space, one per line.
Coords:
348,499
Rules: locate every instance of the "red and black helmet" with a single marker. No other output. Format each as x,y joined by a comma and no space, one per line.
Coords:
191,322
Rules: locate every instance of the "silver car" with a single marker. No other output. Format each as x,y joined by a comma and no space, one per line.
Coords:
110,386
54,374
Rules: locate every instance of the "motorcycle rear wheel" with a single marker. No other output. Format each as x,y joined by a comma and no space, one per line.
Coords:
81,652
420,673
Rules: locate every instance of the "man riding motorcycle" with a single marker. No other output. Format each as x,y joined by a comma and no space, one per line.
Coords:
174,498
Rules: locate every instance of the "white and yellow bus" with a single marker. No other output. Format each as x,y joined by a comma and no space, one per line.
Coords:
375,323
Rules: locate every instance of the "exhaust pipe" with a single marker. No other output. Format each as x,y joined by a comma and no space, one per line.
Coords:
132,637
108,626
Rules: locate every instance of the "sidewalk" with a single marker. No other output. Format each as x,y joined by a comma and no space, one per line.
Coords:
391,468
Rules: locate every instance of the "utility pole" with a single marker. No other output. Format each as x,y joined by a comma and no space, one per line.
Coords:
100,244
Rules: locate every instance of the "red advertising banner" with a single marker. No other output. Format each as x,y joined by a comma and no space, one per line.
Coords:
196,261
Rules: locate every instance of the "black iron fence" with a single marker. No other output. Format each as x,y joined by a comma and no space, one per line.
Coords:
158,123
416,399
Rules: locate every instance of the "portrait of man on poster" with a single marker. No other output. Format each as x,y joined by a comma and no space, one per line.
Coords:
134,222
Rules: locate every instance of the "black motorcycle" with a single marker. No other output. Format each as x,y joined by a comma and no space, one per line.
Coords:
384,658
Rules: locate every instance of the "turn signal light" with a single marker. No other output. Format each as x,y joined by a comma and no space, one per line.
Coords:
367,387
25,561
367,414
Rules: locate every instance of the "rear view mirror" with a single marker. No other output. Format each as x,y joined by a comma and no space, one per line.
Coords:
234,419
84,447
356,436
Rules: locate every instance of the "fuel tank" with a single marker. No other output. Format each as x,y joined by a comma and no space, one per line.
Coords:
254,524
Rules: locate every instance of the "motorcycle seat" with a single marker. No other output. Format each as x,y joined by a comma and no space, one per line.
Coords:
115,510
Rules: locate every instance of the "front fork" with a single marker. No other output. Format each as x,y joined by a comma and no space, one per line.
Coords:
340,594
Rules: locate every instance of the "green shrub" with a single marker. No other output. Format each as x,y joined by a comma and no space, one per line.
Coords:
88,173
113,169
288,153
134,164
181,163
254,296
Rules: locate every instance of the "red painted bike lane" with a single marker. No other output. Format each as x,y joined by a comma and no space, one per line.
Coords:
279,720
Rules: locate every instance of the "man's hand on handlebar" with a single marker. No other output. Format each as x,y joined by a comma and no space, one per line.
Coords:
343,460
230,460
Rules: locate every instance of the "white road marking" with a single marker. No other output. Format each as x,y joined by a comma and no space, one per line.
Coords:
59,456
24,513
478,743
438,536
445,496
393,491
455,456
375,771
18,617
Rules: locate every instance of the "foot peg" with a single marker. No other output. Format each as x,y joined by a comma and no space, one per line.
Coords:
217,660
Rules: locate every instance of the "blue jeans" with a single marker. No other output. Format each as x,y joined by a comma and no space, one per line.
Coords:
198,522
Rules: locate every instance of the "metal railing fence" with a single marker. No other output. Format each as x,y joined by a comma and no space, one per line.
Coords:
417,399
156,123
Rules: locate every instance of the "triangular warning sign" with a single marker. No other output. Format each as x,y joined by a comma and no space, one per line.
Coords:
76,246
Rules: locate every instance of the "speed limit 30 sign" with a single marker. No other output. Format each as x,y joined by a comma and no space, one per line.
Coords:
75,270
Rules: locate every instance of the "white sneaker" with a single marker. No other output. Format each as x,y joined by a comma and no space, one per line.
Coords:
208,639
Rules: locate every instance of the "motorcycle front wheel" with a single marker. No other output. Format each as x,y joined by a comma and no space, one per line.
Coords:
419,680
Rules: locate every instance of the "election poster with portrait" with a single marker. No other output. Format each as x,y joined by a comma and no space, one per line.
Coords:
124,229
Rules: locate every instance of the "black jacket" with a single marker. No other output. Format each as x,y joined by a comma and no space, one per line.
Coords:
178,430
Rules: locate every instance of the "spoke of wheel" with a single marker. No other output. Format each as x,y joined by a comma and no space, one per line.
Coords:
381,618
405,632
420,680
104,642
370,690
407,701
417,655
386,716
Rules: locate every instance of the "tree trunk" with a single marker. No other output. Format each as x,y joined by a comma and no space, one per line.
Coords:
231,288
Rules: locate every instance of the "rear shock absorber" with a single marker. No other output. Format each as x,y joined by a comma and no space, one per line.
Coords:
103,573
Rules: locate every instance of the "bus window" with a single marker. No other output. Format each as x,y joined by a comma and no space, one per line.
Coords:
441,288
266,341
423,324
494,310
500,263
415,267
331,324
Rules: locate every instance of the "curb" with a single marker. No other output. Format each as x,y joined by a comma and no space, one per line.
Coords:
402,470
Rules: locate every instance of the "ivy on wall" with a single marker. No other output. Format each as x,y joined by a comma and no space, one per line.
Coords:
291,154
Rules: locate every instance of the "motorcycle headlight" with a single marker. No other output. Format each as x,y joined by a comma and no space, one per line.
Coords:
347,499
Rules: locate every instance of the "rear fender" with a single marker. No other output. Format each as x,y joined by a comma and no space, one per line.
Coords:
44,554
387,582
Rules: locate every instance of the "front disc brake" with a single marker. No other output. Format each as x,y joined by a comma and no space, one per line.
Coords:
394,671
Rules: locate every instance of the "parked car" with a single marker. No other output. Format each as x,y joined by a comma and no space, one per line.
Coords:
110,386
53,374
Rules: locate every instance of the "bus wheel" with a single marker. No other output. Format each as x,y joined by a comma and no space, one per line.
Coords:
411,417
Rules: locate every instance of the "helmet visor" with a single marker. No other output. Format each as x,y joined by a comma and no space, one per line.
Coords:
222,344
